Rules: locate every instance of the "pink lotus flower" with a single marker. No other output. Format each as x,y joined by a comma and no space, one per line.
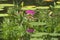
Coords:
30,30
31,12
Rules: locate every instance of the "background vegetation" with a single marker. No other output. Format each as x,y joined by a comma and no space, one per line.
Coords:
45,23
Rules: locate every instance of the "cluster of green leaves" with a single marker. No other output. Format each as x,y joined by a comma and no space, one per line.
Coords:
52,26
11,27
14,26
52,21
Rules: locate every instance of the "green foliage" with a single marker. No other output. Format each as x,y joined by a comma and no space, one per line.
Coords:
11,26
15,25
37,23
